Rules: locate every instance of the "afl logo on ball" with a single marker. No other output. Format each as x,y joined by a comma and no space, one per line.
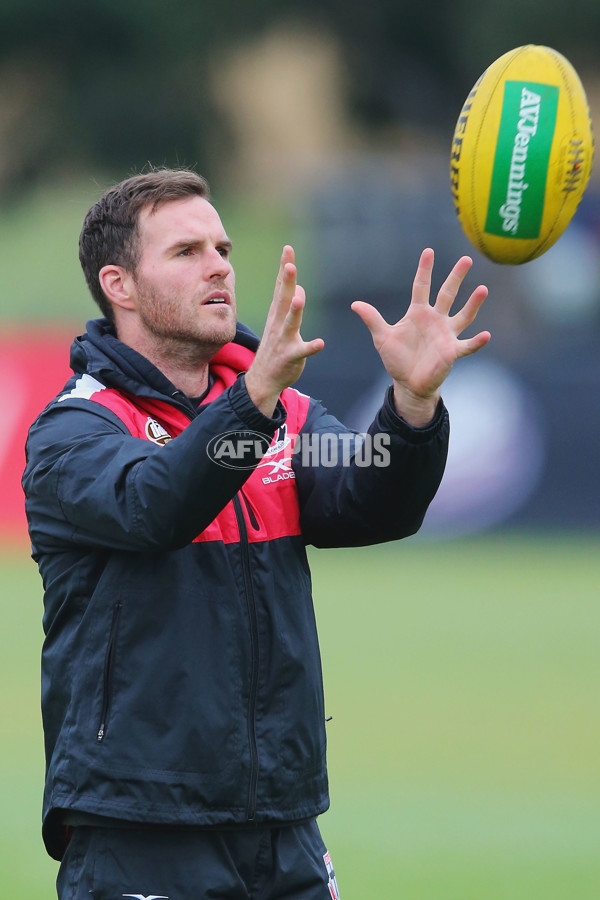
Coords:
155,432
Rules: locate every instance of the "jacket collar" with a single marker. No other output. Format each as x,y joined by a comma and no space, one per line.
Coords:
101,354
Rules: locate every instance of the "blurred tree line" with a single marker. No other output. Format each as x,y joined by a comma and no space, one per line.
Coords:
115,83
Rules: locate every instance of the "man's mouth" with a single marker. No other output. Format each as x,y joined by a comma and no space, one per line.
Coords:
217,298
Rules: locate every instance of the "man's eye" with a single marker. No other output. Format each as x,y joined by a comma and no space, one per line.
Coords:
187,251
224,251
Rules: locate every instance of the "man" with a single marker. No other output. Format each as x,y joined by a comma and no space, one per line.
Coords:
182,695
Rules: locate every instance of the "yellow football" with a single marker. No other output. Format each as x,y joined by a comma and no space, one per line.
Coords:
521,154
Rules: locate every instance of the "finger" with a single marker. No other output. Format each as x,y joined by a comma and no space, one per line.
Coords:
285,290
422,281
449,289
291,328
304,349
371,317
472,345
293,319
467,315
287,256
314,346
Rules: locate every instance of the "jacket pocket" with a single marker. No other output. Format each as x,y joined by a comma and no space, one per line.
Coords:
109,664
251,514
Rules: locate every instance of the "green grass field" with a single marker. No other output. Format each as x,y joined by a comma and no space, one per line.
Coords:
462,678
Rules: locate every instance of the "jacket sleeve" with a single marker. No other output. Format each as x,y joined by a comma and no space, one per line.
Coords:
379,493
88,482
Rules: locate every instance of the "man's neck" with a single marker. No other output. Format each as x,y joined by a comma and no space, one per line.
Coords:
186,365
192,381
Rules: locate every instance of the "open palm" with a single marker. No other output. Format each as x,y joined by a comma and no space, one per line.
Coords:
419,350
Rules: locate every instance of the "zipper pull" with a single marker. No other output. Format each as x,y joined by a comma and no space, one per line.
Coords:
100,736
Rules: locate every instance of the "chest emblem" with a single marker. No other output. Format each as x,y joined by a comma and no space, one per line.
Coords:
155,432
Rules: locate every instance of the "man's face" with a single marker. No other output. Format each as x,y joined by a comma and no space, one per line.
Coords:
184,281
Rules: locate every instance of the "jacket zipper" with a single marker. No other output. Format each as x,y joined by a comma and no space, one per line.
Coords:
254,659
109,665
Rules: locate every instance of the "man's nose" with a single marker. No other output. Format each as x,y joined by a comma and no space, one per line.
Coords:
218,265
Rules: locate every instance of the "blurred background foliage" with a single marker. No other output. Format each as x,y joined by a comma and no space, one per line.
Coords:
109,85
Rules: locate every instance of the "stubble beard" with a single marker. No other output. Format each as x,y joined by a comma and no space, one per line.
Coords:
185,336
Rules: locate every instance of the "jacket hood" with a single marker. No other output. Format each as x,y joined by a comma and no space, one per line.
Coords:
99,353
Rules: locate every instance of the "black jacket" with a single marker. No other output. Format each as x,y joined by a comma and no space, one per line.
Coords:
181,677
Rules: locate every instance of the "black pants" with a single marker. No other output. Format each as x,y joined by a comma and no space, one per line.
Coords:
195,864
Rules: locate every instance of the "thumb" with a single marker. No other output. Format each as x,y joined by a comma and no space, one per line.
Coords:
370,316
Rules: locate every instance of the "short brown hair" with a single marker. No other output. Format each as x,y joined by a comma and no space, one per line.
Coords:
110,229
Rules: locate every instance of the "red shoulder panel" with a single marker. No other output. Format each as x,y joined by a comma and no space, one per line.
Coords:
269,497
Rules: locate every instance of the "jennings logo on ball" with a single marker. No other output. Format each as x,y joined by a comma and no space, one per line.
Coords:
520,168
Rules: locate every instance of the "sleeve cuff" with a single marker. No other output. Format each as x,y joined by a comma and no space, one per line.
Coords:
391,421
250,414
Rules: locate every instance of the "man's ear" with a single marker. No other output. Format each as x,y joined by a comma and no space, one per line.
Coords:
118,286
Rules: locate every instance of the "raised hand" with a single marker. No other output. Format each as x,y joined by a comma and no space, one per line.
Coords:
282,353
421,348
